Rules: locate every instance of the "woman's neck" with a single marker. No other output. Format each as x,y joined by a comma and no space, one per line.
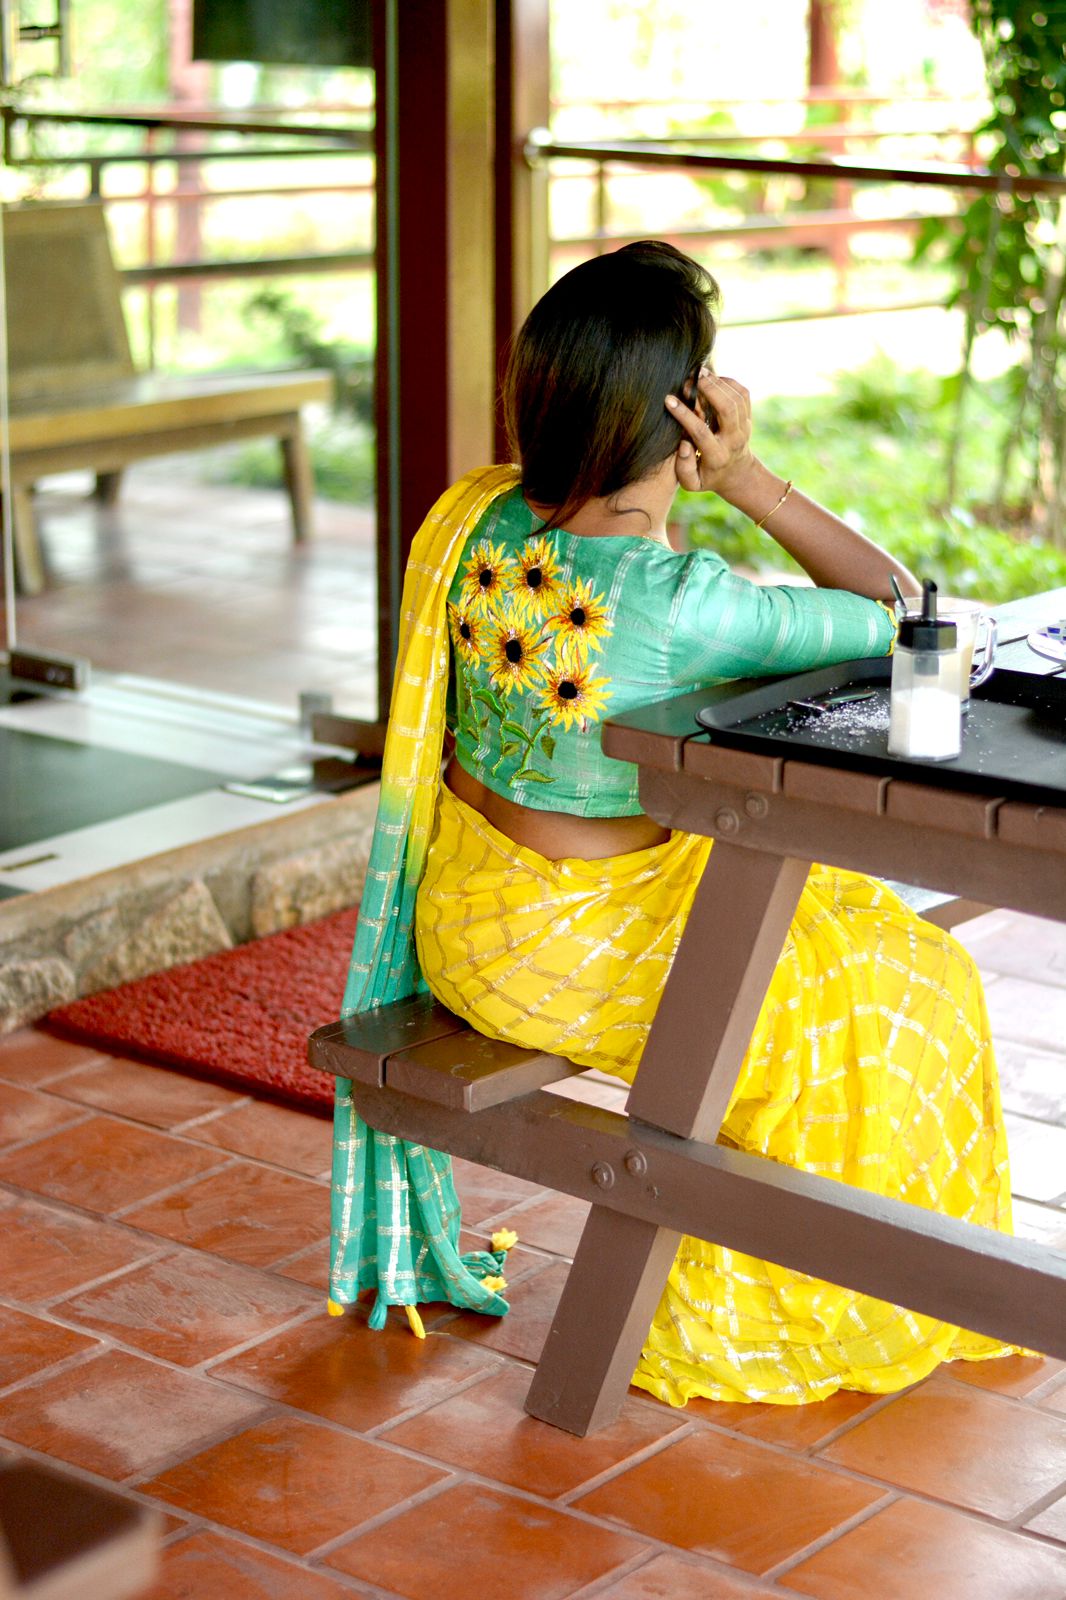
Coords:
640,510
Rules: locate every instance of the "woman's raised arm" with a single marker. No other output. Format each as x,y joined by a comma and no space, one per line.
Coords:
720,459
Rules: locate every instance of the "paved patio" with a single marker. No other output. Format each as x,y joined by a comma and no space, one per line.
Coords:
162,1330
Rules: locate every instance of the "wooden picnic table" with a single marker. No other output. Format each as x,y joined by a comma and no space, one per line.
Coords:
656,1172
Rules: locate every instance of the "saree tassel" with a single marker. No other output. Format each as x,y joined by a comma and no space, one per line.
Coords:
378,1314
334,1309
415,1321
504,1239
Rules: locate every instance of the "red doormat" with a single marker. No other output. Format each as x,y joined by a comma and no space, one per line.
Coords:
241,1017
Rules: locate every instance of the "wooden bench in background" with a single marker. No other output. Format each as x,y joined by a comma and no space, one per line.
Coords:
76,400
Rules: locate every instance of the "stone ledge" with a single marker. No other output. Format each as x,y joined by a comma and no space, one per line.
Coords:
79,937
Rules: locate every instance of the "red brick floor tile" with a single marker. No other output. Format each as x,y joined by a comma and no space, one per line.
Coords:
1041,1223
50,1251
914,1551
208,1566
1030,1081
553,1223
292,1483
30,1056
1028,1013
710,1493
188,1308
296,1140
794,1427
24,1114
1018,1375
310,1266
338,1368
1008,942
143,1093
104,1165
29,1344
119,1415
478,1541
523,1330
247,1212
486,1430
484,1192
957,1443
1056,1400
611,1093
674,1578
1037,1157
1051,1521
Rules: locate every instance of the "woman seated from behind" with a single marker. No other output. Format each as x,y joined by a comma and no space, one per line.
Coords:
549,907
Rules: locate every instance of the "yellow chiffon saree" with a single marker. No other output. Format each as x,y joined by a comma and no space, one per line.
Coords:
870,1061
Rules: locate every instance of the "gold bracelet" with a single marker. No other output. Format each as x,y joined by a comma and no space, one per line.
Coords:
777,507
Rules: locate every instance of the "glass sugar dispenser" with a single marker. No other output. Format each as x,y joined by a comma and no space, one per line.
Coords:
925,717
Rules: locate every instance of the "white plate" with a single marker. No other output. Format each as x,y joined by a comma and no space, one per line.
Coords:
1052,645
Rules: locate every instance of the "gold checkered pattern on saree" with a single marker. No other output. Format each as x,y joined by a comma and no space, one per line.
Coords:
870,1063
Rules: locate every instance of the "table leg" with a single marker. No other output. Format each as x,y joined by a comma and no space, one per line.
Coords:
29,566
107,487
710,1003
731,944
299,480
602,1320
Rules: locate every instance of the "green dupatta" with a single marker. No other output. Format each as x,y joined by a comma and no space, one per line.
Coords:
395,1212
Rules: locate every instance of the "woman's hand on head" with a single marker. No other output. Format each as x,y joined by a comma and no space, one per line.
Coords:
714,457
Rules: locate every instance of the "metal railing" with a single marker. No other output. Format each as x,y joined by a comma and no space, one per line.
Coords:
683,154
305,141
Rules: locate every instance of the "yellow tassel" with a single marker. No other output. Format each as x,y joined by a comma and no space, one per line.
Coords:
496,1285
504,1239
416,1322
334,1309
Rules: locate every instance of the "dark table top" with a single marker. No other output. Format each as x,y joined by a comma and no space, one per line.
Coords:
656,735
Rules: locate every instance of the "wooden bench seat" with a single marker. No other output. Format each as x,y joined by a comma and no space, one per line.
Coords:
418,1047
76,400
64,1539
422,1074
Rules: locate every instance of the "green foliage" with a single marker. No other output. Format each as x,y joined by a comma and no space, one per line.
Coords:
298,331
871,453
881,396
1008,256
342,453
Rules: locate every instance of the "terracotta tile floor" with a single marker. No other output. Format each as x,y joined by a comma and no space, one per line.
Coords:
199,583
162,1331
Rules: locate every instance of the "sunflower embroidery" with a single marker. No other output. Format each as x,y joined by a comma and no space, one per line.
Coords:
467,632
582,622
536,584
571,693
488,573
512,656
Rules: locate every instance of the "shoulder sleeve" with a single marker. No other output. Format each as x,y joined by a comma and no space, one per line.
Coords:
728,627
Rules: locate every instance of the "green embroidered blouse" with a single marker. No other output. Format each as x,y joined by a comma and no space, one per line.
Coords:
551,632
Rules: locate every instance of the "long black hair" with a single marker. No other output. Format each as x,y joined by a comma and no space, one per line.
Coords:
591,366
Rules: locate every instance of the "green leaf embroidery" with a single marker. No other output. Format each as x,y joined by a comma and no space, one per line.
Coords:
487,698
515,731
528,775
547,744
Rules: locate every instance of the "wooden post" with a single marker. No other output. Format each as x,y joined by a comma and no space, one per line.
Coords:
436,363
823,72
522,104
